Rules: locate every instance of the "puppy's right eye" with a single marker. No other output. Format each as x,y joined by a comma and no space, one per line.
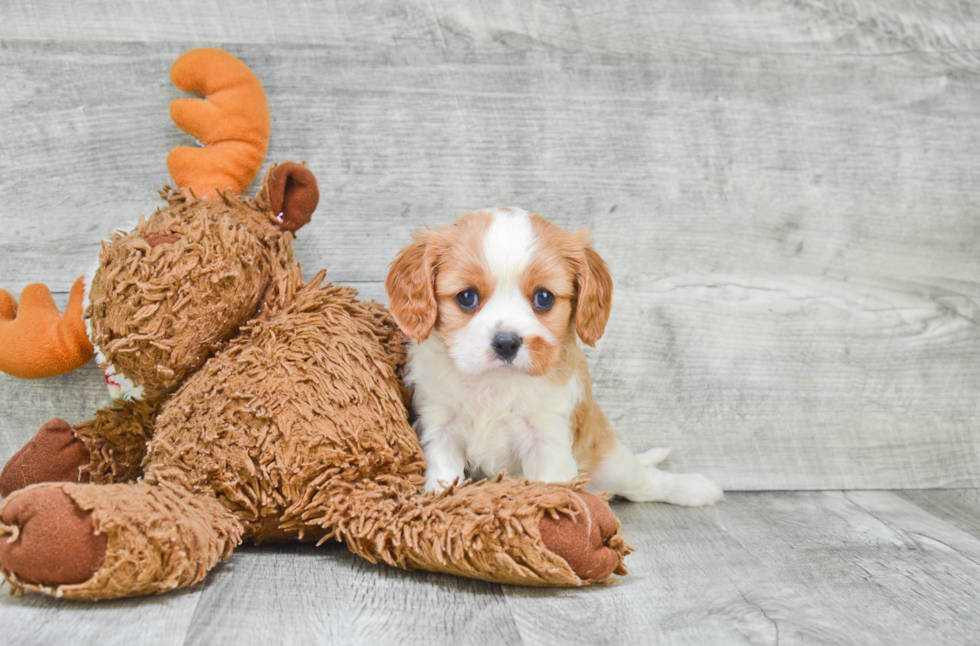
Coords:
467,300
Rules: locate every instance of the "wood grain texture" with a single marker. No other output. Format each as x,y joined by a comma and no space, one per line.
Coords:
784,191
867,567
689,583
872,27
33,620
958,507
329,596
869,561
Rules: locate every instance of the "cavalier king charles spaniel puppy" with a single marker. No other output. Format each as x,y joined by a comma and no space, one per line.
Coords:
497,303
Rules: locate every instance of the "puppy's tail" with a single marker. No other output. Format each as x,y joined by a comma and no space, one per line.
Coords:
635,477
653,457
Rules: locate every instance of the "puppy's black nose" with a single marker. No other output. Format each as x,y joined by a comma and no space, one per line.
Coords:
505,345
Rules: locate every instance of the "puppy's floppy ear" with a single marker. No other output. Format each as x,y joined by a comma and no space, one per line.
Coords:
411,287
595,288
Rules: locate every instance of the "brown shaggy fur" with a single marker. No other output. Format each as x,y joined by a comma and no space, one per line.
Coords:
272,411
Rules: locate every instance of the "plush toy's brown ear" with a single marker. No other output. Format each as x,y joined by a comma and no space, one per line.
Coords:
411,287
293,194
595,288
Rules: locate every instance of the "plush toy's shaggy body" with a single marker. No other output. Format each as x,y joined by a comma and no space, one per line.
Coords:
263,408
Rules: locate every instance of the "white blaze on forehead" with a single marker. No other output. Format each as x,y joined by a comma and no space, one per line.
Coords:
508,245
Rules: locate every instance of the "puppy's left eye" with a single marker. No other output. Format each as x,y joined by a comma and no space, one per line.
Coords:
543,300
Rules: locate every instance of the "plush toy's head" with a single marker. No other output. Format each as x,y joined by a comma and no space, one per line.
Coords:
167,293
184,280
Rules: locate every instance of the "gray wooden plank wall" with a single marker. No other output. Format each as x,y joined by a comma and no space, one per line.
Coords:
786,192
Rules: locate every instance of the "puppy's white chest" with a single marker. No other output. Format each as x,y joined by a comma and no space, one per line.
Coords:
518,418
501,420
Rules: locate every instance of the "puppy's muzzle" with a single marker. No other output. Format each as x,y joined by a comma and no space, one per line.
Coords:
505,345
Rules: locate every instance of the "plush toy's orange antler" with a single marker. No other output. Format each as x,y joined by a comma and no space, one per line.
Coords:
232,121
38,341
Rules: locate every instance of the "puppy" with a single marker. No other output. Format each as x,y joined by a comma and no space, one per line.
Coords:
498,379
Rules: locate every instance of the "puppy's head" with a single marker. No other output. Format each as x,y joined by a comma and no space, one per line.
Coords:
503,288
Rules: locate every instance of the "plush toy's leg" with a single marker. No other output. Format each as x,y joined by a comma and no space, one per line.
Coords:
51,538
507,531
108,448
585,541
116,441
54,454
110,541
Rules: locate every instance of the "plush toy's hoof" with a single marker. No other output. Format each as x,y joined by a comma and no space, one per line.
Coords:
45,538
582,541
54,454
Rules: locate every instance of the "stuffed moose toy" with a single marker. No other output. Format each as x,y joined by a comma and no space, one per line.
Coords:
249,404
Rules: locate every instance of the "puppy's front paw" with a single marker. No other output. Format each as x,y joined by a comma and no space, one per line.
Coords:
438,484
693,490
431,484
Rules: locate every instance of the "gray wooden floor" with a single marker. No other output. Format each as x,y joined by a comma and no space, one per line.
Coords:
786,191
870,567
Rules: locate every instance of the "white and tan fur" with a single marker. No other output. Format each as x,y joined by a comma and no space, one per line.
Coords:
484,406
